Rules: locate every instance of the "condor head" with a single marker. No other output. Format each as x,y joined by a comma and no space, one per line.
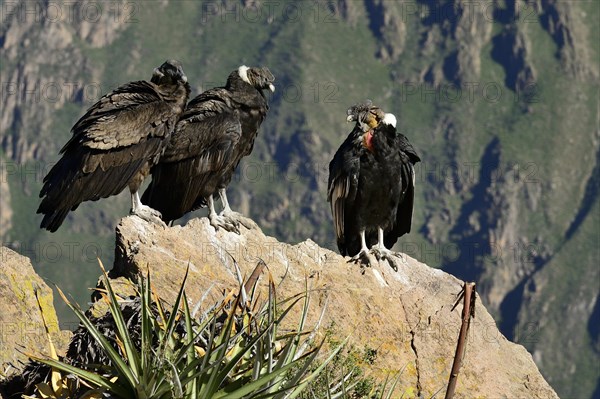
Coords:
169,73
260,78
366,115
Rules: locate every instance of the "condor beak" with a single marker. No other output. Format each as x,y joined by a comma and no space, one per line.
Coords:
271,87
349,118
157,72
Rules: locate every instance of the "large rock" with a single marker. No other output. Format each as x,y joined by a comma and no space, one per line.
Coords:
21,324
405,315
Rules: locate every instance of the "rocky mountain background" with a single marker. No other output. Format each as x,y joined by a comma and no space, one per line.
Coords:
500,98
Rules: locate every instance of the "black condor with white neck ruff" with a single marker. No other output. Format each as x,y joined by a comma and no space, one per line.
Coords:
115,144
371,186
216,131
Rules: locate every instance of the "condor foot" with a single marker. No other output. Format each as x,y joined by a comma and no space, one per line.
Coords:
394,259
364,258
238,219
148,214
221,222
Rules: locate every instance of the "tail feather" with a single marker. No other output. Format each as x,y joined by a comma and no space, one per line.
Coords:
175,191
88,175
53,220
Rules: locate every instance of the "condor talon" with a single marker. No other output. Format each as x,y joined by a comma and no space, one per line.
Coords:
220,221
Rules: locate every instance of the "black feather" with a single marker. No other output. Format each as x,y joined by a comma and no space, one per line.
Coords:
216,131
371,188
115,143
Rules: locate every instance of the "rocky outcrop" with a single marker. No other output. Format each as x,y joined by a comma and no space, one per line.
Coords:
99,24
31,93
21,324
405,315
473,31
35,35
512,50
387,22
563,21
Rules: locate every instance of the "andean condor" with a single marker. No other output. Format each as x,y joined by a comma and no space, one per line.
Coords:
115,144
214,133
371,186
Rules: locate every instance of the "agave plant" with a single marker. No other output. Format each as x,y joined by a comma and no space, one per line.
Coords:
141,349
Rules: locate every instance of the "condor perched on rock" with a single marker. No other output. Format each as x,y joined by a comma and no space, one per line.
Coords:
214,133
115,144
371,186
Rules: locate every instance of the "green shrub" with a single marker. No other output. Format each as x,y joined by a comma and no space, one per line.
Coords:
142,349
